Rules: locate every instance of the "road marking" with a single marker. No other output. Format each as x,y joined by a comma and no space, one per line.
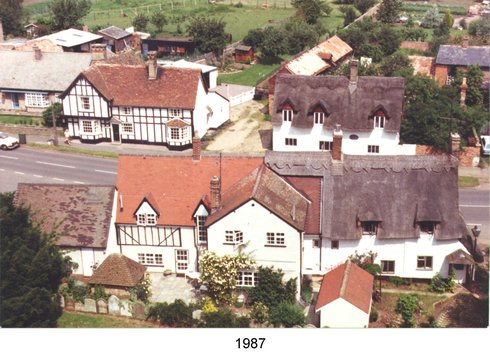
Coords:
475,206
38,176
59,165
106,172
58,179
18,172
79,182
9,157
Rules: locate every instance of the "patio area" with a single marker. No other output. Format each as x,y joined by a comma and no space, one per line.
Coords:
170,288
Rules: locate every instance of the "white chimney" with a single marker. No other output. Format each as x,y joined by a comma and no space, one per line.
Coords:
152,65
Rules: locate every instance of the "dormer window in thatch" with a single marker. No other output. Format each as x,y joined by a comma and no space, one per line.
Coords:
369,227
427,227
379,117
287,115
319,117
319,112
287,109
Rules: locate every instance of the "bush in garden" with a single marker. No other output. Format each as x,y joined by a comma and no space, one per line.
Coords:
176,314
225,318
440,285
406,306
373,315
271,290
208,306
260,312
288,315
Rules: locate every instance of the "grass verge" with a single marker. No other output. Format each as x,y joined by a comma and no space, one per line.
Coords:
21,120
74,150
74,320
468,181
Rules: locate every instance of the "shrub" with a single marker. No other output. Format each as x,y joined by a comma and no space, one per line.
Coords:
176,314
398,281
142,290
306,290
77,292
99,293
439,285
260,312
225,318
208,306
270,290
406,306
373,315
287,314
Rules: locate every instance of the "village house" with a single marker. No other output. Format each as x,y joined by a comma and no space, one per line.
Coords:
31,80
453,57
116,39
142,104
81,216
366,111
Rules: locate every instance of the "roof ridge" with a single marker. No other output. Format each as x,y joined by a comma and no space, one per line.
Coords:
257,181
345,278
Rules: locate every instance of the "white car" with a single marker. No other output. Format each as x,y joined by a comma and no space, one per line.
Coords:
485,145
8,142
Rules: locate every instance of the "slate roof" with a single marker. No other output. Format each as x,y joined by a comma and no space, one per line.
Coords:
177,183
173,87
114,32
118,270
20,70
351,106
83,211
458,55
398,191
349,282
269,190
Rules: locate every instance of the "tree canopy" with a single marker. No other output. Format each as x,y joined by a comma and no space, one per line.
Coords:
11,16
32,267
208,33
388,11
68,13
311,10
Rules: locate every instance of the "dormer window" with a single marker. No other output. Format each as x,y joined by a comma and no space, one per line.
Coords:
287,115
427,227
369,227
147,212
319,117
146,219
379,121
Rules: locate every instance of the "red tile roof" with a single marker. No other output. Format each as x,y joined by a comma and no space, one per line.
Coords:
177,183
129,85
311,187
349,282
118,270
269,190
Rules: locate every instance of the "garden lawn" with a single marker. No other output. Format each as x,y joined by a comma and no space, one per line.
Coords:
468,181
73,320
21,120
251,76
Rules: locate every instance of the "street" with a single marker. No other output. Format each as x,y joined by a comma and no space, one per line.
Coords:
475,206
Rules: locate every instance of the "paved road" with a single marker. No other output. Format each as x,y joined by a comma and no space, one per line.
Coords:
475,206
31,165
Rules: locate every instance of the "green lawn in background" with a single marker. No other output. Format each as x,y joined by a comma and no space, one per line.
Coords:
251,76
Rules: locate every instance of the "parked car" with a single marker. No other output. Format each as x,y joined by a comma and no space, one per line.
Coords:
485,145
8,142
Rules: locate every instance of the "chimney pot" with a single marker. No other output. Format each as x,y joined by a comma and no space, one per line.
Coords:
215,193
354,64
152,65
98,51
37,52
337,143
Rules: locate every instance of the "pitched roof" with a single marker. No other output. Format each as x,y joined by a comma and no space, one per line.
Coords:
72,37
349,105
126,57
20,70
229,91
396,190
114,32
311,62
349,282
176,182
458,55
173,88
269,190
118,270
311,188
83,211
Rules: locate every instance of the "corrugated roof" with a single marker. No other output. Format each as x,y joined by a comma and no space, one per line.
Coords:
20,70
83,211
349,282
458,55
118,270
114,32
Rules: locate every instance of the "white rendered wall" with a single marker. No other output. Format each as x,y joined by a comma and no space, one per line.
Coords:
311,255
342,314
201,111
221,110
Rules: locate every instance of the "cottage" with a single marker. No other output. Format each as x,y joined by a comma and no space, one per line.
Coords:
116,39
165,105
80,215
366,111
31,80
453,57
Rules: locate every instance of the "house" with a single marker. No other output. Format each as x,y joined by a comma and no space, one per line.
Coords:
326,56
31,80
169,46
74,40
345,297
244,54
453,57
365,110
162,204
164,105
118,274
403,208
79,214
115,38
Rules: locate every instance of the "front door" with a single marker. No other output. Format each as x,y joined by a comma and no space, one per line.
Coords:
116,137
181,261
15,100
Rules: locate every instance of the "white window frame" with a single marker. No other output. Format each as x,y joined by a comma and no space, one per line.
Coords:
424,259
127,128
85,104
388,264
175,113
325,145
179,133
84,125
287,115
233,236
275,239
181,260
319,117
202,233
379,121
246,278
125,110
373,149
150,259
146,219
36,100
291,142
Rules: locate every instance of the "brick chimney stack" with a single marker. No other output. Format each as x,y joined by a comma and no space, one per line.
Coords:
337,143
152,65
466,42
196,147
463,88
354,71
98,51
215,193
37,53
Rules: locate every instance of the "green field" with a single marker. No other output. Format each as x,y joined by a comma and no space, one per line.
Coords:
251,76
21,120
71,320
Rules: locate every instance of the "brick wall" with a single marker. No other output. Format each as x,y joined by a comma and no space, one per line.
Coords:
465,157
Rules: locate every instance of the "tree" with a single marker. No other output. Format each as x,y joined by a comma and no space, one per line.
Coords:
364,5
388,39
140,22
397,64
68,13
32,267
287,314
480,27
159,20
254,38
349,15
448,19
388,11
298,36
474,80
311,10
366,262
11,16
431,18
406,306
208,33
48,115
273,44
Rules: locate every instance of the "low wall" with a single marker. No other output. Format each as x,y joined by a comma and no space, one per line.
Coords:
29,130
